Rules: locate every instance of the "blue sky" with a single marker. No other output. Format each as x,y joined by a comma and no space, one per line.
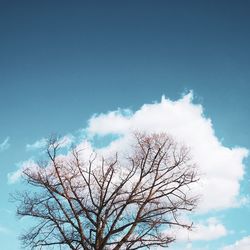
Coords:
61,62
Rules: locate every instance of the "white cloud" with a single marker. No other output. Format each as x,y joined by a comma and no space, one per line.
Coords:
65,141
15,176
114,122
221,167
5,144
209,230
37,145
243,244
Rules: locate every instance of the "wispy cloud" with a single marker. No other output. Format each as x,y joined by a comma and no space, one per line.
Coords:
5,144
13,177
65,141
4,229
37,144
208,230
242,244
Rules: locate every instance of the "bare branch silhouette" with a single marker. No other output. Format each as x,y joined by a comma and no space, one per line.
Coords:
111,203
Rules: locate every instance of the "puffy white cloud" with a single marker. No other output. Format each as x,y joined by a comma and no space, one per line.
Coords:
5,144
243,244
114,122
221,167
209,230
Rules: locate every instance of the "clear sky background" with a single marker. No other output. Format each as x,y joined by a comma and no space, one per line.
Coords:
63,61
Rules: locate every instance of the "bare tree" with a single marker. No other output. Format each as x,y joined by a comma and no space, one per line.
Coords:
115,203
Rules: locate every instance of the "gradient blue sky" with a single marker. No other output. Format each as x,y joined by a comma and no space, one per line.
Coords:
63,61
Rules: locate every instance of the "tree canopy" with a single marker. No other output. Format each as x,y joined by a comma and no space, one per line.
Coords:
115,202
